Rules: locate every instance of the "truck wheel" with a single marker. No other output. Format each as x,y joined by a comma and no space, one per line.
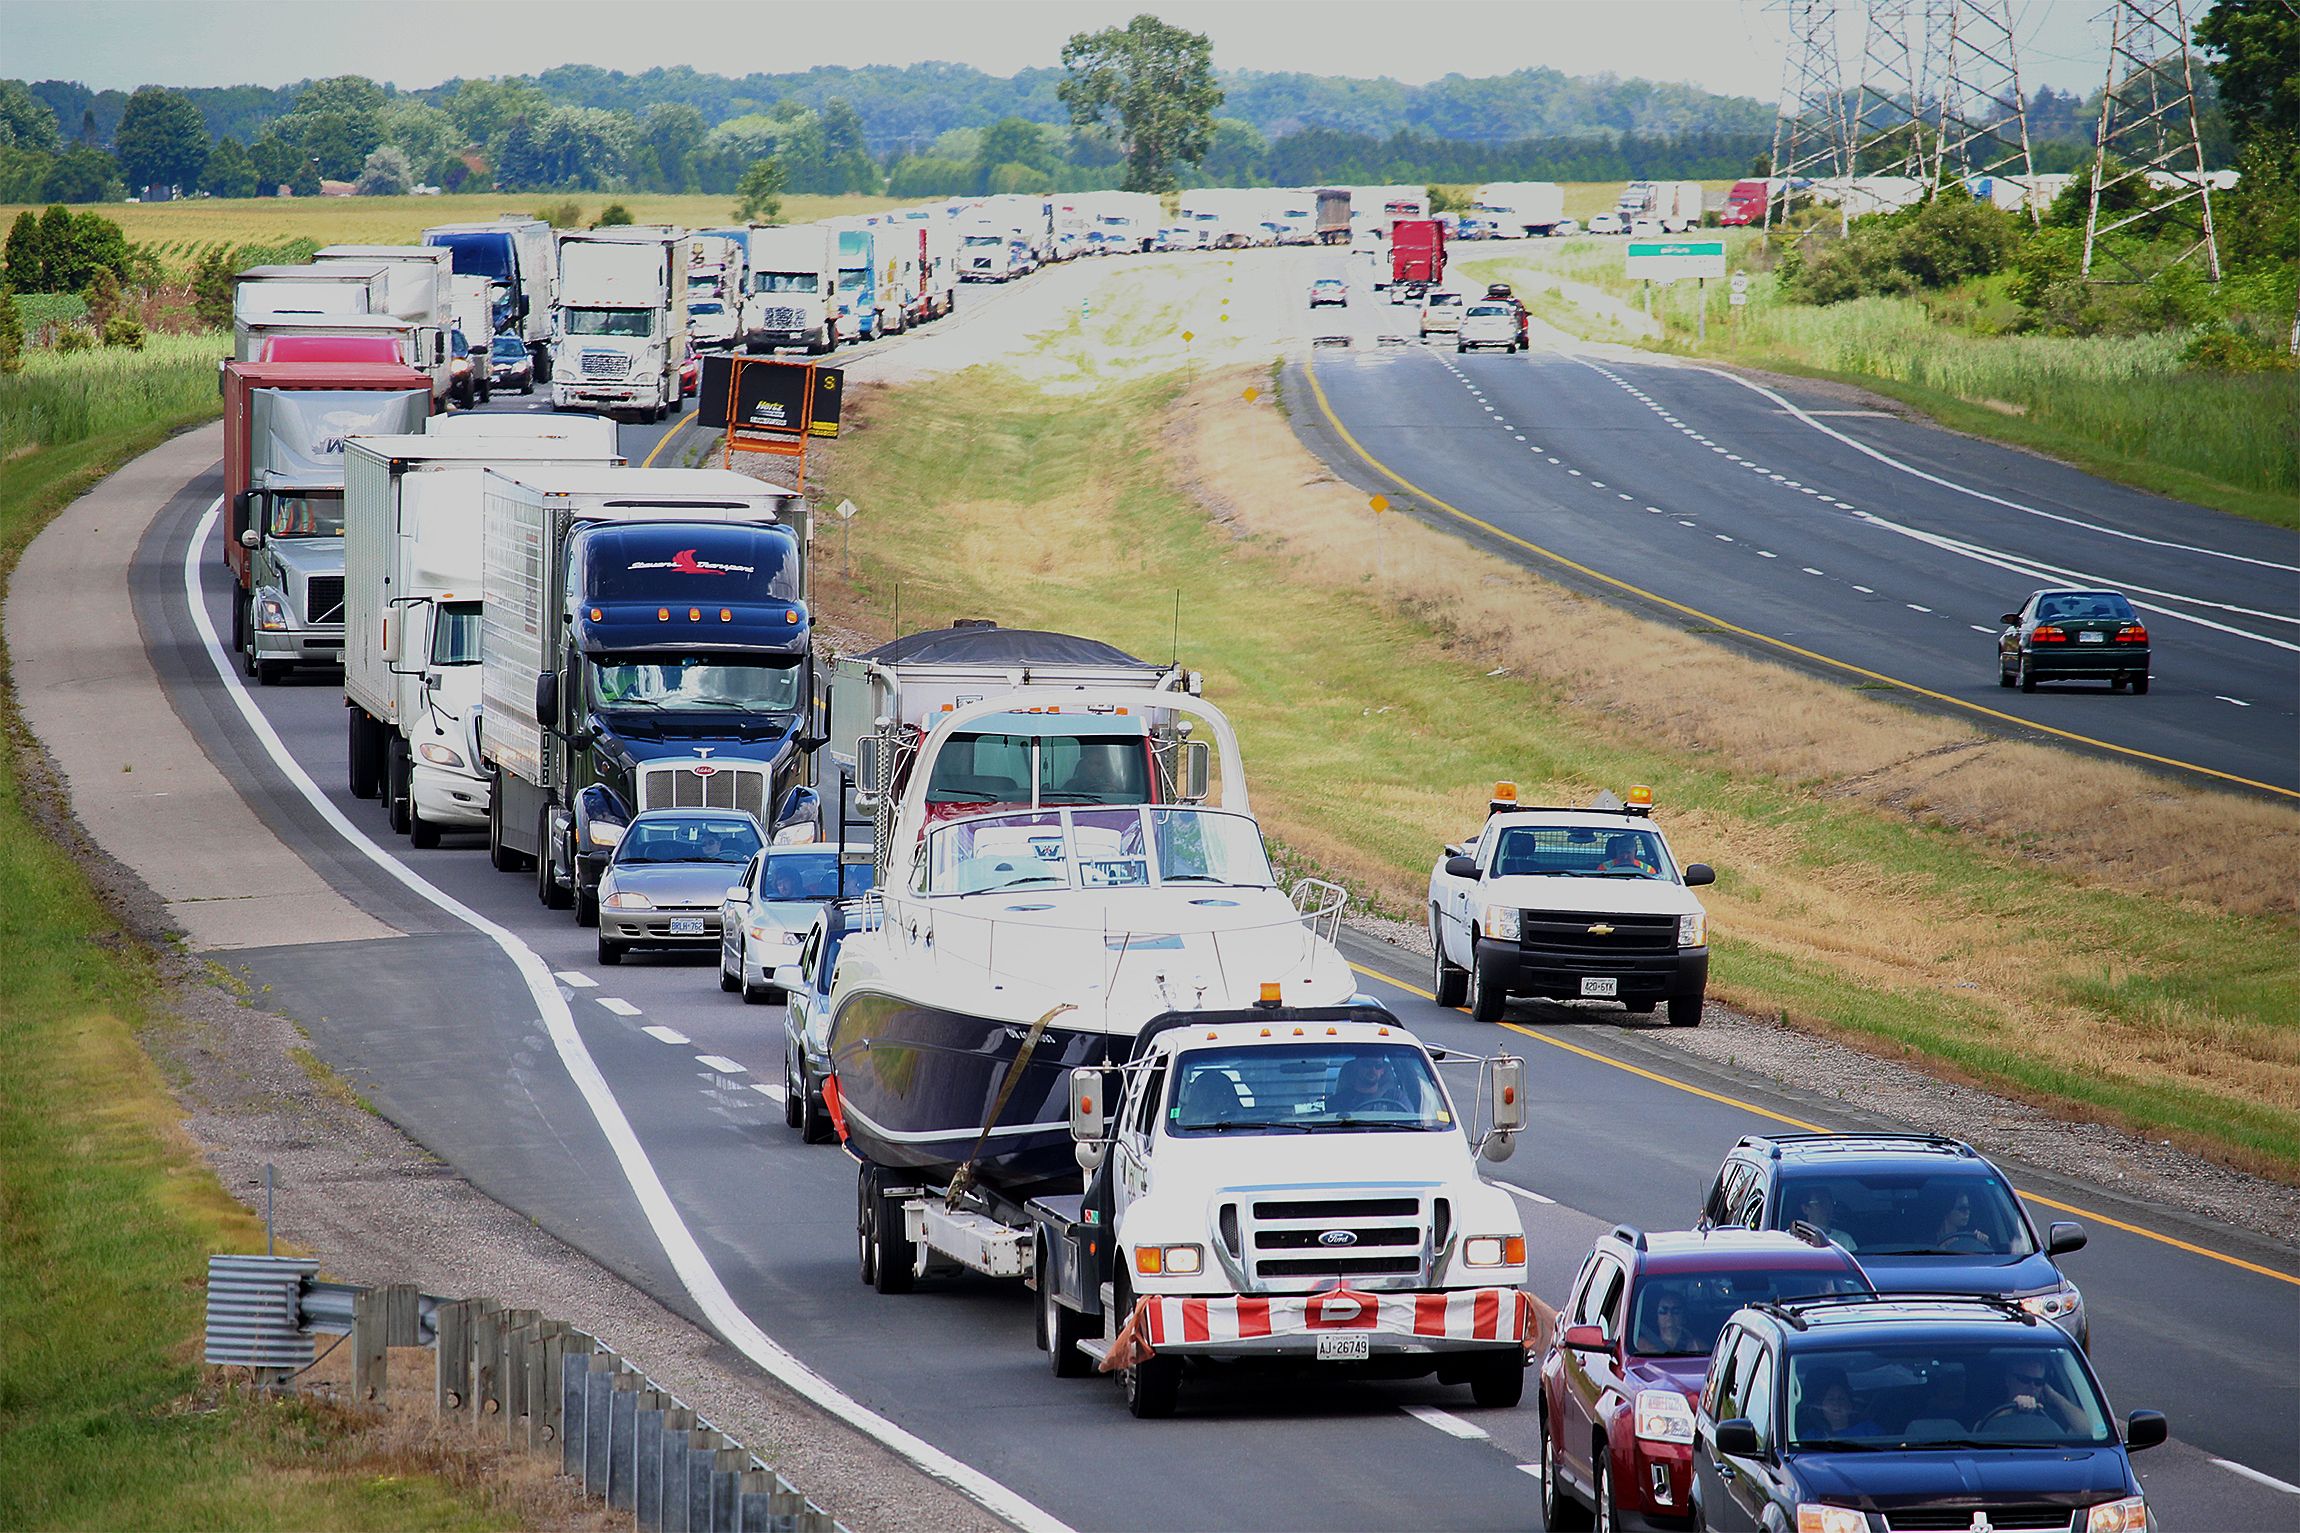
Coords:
1499,1382
1487,996
610,953
239,623
270,673
866,1213
1060,1328
1449,981
422,834
500,857
892,1255
1685,1011
1154,1388
359,754
398,794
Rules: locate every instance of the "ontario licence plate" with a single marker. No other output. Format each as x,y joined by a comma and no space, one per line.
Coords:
686,926
1600,987
1345,1349
2092,638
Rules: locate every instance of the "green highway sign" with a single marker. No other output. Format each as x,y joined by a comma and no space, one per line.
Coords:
1662,260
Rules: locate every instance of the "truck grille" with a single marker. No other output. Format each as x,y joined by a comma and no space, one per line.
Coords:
323,599
2011,1519
677,785
783,319
1290,1242
606,364
1594,934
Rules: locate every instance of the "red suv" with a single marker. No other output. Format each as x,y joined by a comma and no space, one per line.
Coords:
1620,1378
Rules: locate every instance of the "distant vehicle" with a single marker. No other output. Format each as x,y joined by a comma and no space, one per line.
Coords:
510,365
1564,227
1329,290
469,378
791,299
1487,323
1744,204
520,263
1182,237
1518,208
2074,636
779,895
1333,216
1503,293
807,1022
711,322
667,881
1441,312
1919,1412
1607,223
1922,1213
1417,251
690,376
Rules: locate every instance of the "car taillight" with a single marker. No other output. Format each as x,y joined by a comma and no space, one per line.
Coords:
2048,635
2132,633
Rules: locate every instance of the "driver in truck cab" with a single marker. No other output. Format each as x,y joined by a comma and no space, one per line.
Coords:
1625,854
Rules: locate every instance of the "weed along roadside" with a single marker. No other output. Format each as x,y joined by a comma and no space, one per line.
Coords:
1874,884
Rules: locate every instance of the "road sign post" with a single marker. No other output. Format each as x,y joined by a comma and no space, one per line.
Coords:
765,405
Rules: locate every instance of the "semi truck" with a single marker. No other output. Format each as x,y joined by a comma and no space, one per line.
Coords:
794,279
417,287
1744,204
517,257
285,424
1672,206
644,644
861,306
1417,255
985,252
1520,207
717,260
411,616
1333,215
621,323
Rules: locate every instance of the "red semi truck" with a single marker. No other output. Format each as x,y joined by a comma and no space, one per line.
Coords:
1417,252
284,428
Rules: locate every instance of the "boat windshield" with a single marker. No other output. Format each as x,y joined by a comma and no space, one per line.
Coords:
1144,847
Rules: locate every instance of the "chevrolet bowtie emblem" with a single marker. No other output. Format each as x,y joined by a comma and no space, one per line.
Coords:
1601,930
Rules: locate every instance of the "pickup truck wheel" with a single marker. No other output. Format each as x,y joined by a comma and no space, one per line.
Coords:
1685,1011
1558,1508
866,1208
892,1254
1449,981
1061,1327
1486,996
1499,1382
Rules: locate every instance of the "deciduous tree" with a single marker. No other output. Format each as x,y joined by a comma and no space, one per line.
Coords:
161,140
1159,82
759,195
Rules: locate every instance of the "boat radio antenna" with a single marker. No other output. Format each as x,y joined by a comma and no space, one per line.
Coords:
1177,657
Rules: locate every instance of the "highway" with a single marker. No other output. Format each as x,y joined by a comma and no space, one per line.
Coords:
1848,540
647,1129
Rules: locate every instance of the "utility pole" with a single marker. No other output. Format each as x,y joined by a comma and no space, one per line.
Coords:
1809,132
1983,115
2148,128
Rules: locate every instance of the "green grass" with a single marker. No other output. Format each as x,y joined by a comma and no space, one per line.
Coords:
107,1214
1367,732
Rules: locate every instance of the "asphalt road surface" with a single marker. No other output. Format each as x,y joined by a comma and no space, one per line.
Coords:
1846,534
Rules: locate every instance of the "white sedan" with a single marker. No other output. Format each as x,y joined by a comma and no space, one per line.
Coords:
710,322
1608,223
765,918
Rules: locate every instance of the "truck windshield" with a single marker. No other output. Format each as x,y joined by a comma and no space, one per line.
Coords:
1580,851
1096,849
306,514
1938,1393
701,683
1067,769
785,282
628,324
1330,1088
853,279
984,241
455,633
478,254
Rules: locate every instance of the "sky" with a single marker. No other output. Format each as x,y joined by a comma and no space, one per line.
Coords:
1729,46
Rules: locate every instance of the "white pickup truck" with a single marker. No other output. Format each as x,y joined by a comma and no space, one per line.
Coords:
1569,904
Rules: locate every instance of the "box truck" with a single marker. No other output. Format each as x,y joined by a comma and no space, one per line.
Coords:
417,287
621,324
516,256
1520,207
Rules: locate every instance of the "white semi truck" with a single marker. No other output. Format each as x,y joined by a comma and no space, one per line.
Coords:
620,329
417,287
411,564
793,282
1520,207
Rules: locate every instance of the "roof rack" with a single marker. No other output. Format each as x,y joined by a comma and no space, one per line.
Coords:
1792,1311
1773,1142
1630,1235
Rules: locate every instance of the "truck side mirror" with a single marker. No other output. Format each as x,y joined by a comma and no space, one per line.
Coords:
547,699
1089,1116
1506,1075
866,772
1197,771
1699,873
243,511
1461,867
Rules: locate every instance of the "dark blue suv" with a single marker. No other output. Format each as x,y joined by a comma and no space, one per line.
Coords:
1862,1414
1921,1213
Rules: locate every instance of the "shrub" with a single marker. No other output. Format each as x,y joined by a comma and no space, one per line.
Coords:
103,297
615,216
74,337
2233,351
561,215
212,286
11,334
125,332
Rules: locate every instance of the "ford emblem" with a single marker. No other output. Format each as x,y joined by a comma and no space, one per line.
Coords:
1338,1238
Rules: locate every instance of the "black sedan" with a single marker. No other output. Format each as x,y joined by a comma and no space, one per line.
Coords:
511,365
2072,636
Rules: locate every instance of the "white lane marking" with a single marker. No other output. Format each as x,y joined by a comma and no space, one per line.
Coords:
766,1090
576,979
669,1035
694,1269
1623,495
1576,473
720,1064
1865,590
2256,1477
1913,607
1722,538
1526,1193
1682,522
1596,484
1810,570
617,1005
1451,1425
1531,1469
1767,553
1977,628
1656,510
2218,697
1995,500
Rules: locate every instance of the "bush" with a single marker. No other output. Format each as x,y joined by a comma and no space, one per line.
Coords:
125,332
614,216
1934,245
560,215
74,337
2234,351
212,286
11,334
103,297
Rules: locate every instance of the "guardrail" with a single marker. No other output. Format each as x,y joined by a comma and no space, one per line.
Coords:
532,1383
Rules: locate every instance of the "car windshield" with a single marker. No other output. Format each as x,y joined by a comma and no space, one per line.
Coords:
786,282
509,348
1096,849
625,324
1330,1088
694,683
688,838
455,633
705,306
2077,606
1968,1212
306,514
1673,1316
794,875
1581,851
1944,1394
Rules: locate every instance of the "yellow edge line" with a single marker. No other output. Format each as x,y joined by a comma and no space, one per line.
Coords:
1325,408
684,422
1798,1123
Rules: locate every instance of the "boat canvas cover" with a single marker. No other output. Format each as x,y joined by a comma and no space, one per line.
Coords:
986,645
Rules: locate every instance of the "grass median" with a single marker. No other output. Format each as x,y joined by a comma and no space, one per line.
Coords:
107,1212
1381,675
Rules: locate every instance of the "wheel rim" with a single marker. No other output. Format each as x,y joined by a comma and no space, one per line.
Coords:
1604,1498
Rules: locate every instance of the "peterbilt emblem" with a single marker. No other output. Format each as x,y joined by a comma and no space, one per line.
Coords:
704,769
1338,1238
1601,930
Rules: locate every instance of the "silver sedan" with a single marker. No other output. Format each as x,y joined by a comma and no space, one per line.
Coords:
668,878
765,918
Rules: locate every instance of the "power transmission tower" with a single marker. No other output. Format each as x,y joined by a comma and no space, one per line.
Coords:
2148,129
1983,116
1887,135
1810,133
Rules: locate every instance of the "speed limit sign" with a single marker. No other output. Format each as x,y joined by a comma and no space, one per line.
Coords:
1740,282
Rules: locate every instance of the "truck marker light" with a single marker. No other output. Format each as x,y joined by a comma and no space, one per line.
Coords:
662,614
1264,1033
1149,1261
1509,1096
725,616
596,614
694,614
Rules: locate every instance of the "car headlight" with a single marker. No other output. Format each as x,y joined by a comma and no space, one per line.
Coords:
2129,1515
1171,1261
776,936
605,833
271,614
1498,921
1693,929
1493,1250
1814,1518
2054,1303
1663,1416
438,755
621,900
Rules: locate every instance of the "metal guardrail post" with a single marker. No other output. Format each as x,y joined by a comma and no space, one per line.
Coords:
452,1367
647,1460
727,1466
695,1478
755,1501
370,1352
574,1369
678,1423
598,1391
623,1441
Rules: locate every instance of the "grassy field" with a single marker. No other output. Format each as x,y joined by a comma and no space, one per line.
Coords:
107,1212
2085,976
2123,407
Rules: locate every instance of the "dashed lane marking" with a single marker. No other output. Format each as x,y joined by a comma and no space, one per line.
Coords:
617,1005
575,979
772,1092
2257,1478
720,1064
669,1035
1447,1422
2217,697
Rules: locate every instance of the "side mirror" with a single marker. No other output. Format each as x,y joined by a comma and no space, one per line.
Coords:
249,537
789,978
866,771
1089,1116
2064,1236
547,699
1510,1113
2145,1429
2010,619
1583,1338
1699,873
737,894
1737,1438
1461,867
431,681
1197,771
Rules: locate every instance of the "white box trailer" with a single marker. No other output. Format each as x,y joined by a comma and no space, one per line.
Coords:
1520,207
263,293
412,569
417,287
621,325
593,436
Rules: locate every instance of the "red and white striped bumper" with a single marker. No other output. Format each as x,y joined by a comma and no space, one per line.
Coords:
1237,1325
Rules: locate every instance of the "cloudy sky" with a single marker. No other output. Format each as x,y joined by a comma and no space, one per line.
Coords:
1725,45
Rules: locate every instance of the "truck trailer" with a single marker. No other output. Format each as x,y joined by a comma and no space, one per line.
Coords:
1417,255
517,257
1520,208
418,287
621,323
